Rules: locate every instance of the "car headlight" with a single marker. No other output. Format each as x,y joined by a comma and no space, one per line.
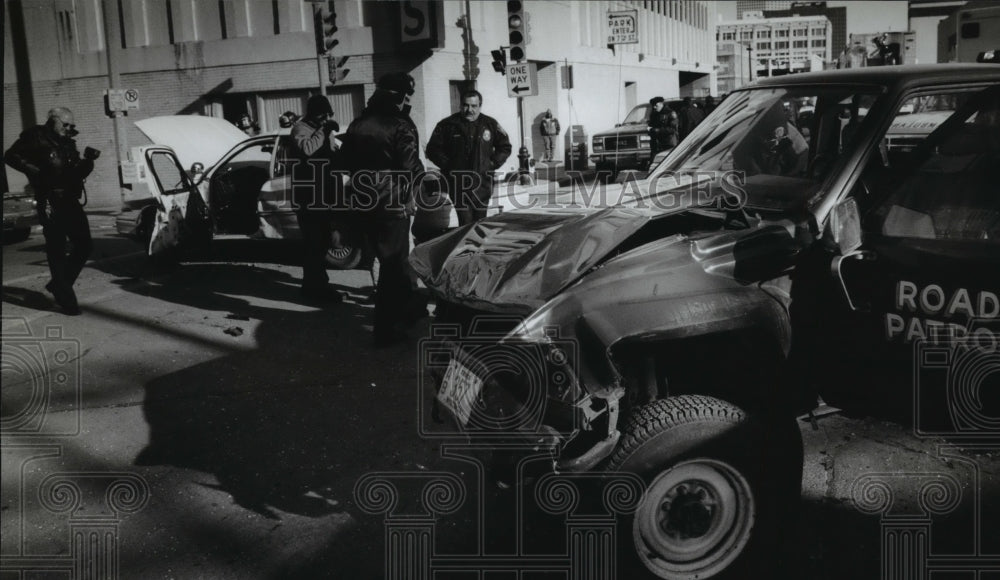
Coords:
598,145
644,141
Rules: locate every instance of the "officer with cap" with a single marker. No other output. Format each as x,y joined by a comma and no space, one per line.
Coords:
383,156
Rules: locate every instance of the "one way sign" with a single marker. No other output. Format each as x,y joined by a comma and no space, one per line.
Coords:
522,79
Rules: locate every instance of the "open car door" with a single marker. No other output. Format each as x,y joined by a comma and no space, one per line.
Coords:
181,213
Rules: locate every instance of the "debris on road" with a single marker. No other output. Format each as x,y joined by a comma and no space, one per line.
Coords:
234,331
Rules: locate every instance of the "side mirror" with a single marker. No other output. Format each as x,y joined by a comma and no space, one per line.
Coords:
845,225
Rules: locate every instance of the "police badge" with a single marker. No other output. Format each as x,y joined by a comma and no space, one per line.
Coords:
487,135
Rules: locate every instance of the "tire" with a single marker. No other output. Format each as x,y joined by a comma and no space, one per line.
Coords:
719,489
343,254
15,236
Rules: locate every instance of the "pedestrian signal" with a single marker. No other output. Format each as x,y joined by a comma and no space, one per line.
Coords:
499,61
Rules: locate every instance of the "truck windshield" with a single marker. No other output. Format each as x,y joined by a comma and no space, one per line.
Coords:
783,141
637,116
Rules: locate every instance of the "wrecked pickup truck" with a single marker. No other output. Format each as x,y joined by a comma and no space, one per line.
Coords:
677,330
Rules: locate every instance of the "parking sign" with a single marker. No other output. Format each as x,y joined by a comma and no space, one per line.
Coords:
623,27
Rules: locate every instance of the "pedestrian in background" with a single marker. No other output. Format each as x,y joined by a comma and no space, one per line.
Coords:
690,116
383,156
550,130
247,125
468,147
47,154
314,189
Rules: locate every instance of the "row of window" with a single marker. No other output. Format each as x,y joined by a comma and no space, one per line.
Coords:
815,43
767,33
166,22
693,13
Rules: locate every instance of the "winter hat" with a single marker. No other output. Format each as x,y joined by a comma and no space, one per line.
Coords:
318,105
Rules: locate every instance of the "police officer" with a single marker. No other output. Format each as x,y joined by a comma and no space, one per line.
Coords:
47,154
468,147
313,192
383,157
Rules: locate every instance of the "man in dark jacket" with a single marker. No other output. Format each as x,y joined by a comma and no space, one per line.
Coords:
313,191
383,156
47,154
663,127
468,147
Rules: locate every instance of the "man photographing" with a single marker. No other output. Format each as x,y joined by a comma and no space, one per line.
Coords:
47,154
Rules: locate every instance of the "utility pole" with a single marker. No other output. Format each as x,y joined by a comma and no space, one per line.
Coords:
112,36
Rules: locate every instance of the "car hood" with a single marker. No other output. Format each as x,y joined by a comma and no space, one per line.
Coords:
637,129
193,138
517,260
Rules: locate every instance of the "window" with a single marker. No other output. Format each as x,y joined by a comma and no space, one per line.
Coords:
799,32
728,36
168,173
746,35
781,44
763,46
818,31
763,34
800,44
944,188
783,33
818,43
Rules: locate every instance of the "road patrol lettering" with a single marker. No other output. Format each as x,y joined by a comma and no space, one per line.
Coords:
951,311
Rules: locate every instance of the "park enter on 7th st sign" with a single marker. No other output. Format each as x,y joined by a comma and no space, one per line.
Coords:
623,26
522,79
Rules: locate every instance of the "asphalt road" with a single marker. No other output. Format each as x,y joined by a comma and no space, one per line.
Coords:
201,421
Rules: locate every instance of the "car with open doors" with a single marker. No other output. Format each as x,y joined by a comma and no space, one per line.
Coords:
675,332
202,177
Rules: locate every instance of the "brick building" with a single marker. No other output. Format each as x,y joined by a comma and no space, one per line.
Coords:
258,57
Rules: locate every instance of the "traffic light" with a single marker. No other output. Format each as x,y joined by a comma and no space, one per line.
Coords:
499,61
516,27
325,20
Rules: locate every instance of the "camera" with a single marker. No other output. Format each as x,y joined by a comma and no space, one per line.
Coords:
41,375
91,153
957,384
487,390
331,125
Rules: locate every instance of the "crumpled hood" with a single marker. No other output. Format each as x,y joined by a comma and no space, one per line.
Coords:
519,259
193,138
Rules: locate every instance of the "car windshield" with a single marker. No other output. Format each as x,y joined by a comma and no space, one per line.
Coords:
783,141
637,116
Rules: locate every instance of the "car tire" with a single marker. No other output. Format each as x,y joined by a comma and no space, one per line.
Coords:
15,236
343,253
721,488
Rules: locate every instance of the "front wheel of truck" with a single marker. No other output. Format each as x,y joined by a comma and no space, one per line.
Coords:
720,486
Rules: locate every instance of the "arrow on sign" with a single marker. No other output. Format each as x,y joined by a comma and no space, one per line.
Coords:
520,89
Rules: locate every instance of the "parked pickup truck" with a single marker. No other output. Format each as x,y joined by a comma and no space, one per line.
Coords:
624,147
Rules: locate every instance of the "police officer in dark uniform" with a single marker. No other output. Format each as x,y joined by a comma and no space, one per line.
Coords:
468,147
47,154
383,156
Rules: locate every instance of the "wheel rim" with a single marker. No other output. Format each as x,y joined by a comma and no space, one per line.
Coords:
341,253
694,519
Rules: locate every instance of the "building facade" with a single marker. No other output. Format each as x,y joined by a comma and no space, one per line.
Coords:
734,65
781,45
259,57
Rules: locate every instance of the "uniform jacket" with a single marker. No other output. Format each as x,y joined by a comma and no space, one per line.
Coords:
664,128
480,146
383,140
52,163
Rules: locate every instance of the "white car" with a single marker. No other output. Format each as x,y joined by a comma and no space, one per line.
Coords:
203,177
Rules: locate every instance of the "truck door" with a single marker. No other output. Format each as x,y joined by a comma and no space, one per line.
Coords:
181,214
919,339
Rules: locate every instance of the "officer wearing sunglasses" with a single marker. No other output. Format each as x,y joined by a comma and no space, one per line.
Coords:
47,154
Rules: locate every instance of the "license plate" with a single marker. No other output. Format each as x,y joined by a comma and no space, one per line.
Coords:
459,390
